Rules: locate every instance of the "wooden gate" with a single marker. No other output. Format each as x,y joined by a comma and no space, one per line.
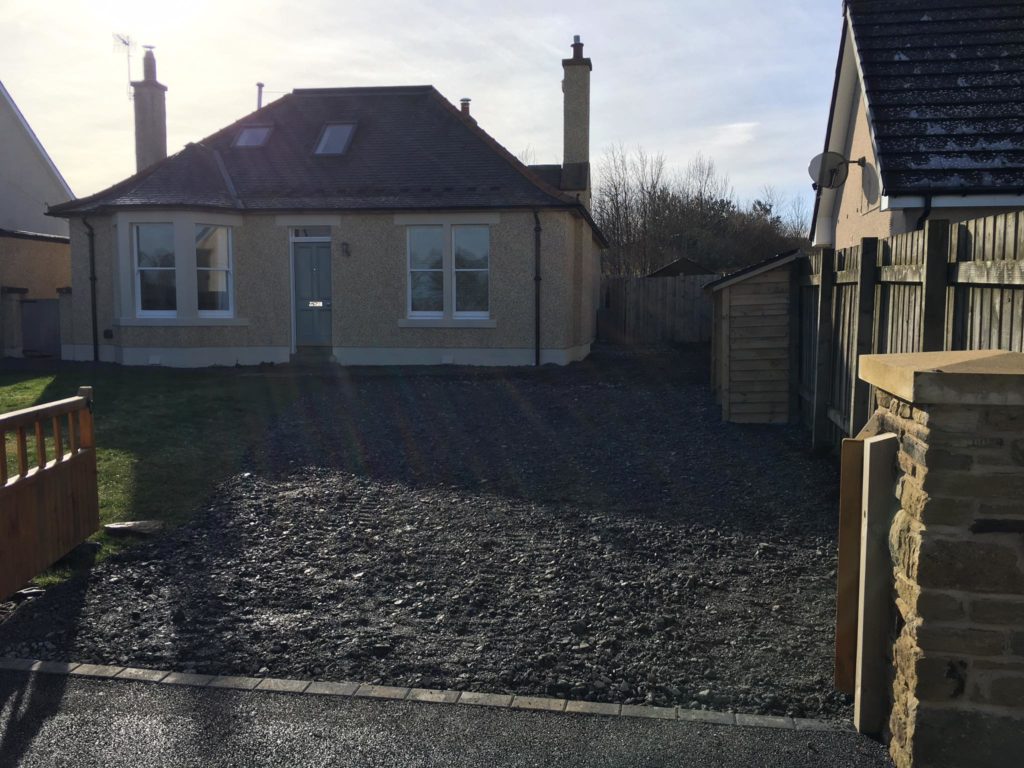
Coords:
49,501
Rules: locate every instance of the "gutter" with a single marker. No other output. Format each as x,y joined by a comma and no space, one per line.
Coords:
536,287
92,289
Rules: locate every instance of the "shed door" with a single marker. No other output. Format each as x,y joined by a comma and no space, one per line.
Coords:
40,327
312,294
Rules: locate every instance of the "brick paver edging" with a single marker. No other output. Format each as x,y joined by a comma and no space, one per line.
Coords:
392,693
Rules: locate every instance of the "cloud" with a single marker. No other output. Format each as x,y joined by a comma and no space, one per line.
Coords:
746,82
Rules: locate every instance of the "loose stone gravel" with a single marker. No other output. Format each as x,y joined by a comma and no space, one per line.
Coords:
589,533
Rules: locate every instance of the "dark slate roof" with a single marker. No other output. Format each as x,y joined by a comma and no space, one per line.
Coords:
411,149
944,81
757,268
681,266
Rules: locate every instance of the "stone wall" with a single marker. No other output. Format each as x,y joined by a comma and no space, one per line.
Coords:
958,566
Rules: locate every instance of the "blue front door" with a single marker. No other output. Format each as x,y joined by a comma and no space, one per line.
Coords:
312,294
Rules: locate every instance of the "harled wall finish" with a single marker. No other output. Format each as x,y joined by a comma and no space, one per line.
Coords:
369,298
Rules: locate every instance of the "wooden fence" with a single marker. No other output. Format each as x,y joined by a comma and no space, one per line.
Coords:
48,495
655,310
942,288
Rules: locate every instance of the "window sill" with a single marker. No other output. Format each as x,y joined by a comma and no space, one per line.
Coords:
446,322
179,322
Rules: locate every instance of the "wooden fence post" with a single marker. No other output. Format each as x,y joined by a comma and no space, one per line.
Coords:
86,437
863,332
934,278
878,502
820,425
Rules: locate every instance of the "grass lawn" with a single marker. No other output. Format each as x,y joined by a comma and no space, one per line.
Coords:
164,437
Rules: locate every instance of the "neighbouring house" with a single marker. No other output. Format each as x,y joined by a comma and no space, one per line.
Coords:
361,225
929,93
35,257
754,341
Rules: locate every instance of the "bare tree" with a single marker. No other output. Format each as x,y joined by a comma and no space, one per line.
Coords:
651,219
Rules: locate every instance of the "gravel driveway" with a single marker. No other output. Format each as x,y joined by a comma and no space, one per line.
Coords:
593,532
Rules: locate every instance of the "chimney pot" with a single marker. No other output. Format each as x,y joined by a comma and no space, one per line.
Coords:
465,106
577,47
149,65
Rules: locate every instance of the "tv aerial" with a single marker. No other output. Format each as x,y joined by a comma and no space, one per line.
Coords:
829,170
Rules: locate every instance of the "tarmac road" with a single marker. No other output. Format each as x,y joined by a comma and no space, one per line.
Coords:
56,720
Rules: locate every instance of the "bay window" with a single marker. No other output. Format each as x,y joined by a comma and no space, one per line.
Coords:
155,283
213,270
175,268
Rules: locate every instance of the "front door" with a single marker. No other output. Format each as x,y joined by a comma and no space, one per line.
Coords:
312,294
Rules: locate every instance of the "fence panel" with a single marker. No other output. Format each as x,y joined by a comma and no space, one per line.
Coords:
655,310
959,287
48,495
987,258
900,293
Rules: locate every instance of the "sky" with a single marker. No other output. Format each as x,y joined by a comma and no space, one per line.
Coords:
745,82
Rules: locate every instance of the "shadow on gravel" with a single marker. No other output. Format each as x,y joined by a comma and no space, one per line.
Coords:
631,431
22,713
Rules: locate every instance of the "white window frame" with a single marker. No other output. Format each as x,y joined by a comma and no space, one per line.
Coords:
448,270
425,314
470,314
127,293
230,311
138,270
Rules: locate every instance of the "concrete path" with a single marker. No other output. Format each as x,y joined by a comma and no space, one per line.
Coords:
59,720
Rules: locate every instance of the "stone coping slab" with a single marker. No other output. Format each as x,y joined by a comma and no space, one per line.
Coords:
976,377
259,685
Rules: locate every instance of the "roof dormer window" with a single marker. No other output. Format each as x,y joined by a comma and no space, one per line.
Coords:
335,138
253,136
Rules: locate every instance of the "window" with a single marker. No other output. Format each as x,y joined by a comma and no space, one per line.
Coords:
318,232
335,138
426,271
155,287
471,248
213,270
449,271
253,136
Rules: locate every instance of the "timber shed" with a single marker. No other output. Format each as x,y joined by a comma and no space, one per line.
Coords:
754,341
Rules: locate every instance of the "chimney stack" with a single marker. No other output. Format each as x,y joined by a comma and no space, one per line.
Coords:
150,115
465,106
576,122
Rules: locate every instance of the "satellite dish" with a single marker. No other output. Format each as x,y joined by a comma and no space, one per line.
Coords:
829,170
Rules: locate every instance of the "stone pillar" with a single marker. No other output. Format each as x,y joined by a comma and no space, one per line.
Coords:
958,554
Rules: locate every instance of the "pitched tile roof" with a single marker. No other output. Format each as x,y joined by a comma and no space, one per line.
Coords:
944,83
411,149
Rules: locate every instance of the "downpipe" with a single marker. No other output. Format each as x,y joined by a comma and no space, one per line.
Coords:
92,290
536,289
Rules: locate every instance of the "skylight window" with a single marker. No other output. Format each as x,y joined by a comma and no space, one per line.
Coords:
335,138
253,136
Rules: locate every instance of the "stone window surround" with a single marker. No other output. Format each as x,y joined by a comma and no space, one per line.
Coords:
447,221
187,313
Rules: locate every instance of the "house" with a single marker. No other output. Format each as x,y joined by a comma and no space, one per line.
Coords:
754,344
34,252
926,106
368,226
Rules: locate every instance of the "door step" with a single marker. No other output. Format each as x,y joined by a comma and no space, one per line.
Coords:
314,356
